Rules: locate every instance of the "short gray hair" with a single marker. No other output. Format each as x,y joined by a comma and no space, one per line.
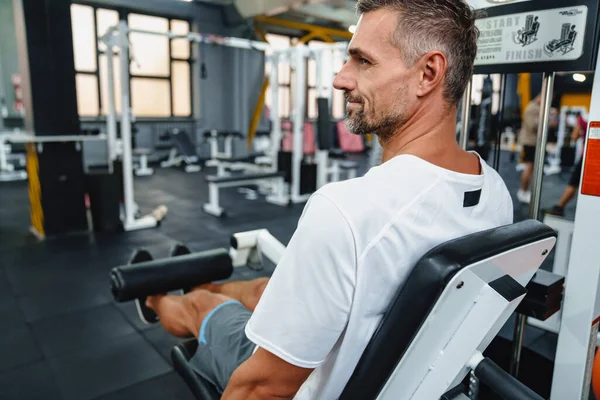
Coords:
426,25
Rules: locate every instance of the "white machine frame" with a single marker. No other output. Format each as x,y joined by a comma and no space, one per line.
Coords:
297,57
115,38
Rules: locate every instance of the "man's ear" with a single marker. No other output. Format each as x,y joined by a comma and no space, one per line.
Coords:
433,67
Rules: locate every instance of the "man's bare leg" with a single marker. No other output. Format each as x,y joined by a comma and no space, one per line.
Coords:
182,316
246,292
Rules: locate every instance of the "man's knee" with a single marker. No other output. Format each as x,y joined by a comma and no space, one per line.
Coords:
200,303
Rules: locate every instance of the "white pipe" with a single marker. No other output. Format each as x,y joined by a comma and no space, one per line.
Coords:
126,124
275,119
298,150
111,120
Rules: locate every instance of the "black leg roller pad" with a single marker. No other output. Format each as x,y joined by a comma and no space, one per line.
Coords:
142,279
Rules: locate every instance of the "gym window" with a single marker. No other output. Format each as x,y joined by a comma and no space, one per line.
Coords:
160,68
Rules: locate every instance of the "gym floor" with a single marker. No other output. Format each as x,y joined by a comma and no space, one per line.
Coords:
62,336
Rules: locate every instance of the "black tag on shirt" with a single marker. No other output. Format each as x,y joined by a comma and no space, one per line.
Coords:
472,198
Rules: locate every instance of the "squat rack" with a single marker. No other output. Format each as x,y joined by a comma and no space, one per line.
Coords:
297,57
116,39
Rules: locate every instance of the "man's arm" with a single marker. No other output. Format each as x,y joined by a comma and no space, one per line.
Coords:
264,376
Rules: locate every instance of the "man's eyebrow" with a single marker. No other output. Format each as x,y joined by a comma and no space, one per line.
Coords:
357,51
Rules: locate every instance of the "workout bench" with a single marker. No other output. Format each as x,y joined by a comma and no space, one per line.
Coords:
439,323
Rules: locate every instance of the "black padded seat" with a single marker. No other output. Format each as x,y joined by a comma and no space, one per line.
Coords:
247,158
245,177
412,304
235,134
348,165
337,154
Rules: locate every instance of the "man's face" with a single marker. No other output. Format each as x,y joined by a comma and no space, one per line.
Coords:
380,90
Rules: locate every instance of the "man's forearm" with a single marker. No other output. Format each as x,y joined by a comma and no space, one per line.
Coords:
240,388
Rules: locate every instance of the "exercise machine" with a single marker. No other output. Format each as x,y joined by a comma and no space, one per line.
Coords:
8,170
116,41
577,323
435,331
182,152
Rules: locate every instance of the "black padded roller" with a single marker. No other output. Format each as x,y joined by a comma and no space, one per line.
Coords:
134,281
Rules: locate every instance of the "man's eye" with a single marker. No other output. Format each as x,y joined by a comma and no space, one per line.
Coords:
363,60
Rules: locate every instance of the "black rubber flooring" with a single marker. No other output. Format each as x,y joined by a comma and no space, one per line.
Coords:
62,336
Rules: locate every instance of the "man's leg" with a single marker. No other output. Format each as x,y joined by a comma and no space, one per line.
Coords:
246,292
182,316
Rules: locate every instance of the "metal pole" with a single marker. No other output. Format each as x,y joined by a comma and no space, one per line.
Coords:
111,120
466,116
500,120
534,208
275,119
298,151
126,124
540,149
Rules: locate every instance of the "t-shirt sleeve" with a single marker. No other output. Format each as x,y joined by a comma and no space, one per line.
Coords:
305,307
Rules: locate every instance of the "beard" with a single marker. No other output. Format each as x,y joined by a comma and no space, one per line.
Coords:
385,124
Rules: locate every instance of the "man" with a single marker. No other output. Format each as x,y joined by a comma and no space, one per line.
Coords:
300,334
579,131
528,140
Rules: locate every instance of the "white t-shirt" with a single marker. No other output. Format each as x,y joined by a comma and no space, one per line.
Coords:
355,244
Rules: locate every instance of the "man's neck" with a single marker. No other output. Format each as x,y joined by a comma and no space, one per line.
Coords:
427,134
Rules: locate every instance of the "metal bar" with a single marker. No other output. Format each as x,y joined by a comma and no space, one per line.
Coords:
534,208
303,27
26,138
111,118
298,117
126,124
275,119
540,150
500,120
466,116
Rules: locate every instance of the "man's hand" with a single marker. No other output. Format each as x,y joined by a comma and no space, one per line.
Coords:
265,376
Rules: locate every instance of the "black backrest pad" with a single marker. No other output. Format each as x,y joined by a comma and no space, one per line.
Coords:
324,137
415,299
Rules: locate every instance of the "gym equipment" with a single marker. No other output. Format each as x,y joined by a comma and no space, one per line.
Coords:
213,137
225,162
580,310
130,282
440,322
216,183
297,58
8,172
142,169
116,41
567,153
182,152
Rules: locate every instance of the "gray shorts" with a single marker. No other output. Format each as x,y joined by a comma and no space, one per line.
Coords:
222,343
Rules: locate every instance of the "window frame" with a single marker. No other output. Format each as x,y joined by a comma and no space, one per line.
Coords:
123,13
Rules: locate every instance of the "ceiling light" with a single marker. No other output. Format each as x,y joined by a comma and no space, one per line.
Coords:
187,1
579,77
352,28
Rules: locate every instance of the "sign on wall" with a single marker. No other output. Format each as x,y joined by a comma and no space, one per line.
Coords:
537,36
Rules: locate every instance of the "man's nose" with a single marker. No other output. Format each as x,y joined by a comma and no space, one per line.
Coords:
344,79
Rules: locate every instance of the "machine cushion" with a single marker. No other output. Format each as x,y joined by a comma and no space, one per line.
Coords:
245,177
415,299
337,154
247,158
164,275
348,165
